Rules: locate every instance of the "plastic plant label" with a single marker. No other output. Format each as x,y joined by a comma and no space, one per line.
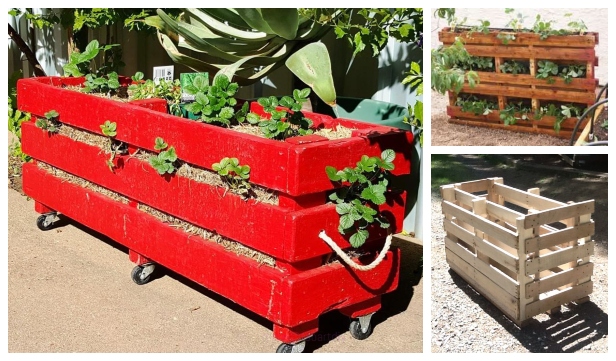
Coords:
162,72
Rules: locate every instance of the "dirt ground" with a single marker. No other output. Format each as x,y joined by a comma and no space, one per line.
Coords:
444,133
462,320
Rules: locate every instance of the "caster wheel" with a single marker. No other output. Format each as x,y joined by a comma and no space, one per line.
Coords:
288,348
45,221
357,332
140,275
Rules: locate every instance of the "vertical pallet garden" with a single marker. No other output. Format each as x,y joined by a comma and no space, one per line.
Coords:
524,263
268,257
504,88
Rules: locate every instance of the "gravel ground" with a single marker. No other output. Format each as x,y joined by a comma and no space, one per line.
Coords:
444,133
461,318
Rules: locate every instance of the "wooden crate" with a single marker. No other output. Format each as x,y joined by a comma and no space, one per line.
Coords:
529,47
524,263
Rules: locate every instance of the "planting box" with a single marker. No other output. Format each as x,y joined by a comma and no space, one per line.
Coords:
299,283
524,263
528,47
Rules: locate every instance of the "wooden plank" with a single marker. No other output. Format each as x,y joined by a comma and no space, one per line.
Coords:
559,236
466,198
497,254
525,199
538,52
572,294
494,117
556,280
588,40
560,213
473,186
504,213
482,284
527,79
585,97
513,128
503,234
558,258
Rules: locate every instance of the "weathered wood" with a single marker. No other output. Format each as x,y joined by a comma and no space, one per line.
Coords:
486,77
492,291
537,52
514,128
526,92
572,294
546,122
503,234
556,237
557,214
497,254
588,40
558,258
556,280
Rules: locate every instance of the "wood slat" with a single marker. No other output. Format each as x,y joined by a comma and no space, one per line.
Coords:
588,40
490,290
474,186
556,280
527,79
506,236
525,199
560,95
572,294
559,214
560,236
557,258
546,121
466,198
494,252
539,53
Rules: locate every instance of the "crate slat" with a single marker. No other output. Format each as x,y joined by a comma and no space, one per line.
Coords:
558,236
556,280
556,214
558,258
572,294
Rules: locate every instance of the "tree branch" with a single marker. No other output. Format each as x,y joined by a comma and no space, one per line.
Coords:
21,44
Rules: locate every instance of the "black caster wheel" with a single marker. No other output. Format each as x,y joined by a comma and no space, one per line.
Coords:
357,332
288,348
141,274
45,222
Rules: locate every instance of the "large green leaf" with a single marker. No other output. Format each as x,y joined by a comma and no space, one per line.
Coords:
311,65
283,22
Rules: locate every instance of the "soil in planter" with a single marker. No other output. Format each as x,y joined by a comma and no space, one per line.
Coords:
121,95
600,132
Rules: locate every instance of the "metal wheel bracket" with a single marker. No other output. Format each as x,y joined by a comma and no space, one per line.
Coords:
298,347
49,218
364,322
148,269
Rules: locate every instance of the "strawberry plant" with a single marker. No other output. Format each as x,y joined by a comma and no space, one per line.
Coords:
49,122
115,147
546,69
472,104
148,89
514,67
234,175
363,191
284,123
109,128
214,102
165,161
103,84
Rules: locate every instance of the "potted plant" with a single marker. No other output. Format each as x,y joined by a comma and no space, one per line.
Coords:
183,193
533,79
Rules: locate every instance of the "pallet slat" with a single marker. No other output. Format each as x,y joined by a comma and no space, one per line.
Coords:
557,258
556,214
572,294
556,280
588,40
558,236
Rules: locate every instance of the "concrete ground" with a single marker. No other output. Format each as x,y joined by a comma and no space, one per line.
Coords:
69,290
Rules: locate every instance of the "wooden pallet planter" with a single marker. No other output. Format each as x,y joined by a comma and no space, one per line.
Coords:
578,49
524,263
301,286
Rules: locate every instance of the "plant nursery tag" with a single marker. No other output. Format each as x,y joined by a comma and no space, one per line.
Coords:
186,79
162,72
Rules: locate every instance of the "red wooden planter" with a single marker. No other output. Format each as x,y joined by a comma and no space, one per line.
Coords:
294,293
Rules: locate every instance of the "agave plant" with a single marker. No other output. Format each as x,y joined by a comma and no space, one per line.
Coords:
249,43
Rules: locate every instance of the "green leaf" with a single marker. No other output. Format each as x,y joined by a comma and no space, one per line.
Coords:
51,114
388,155
343,208
359,238
373,195
332,173
346,221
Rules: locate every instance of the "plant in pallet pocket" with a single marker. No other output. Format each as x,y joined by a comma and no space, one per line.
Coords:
546,69
364,190
560,113
214,102
148,89
234,175
49,122
101,84
109,129
284,124
165,161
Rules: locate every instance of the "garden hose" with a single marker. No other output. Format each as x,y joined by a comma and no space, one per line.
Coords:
584,115
343,256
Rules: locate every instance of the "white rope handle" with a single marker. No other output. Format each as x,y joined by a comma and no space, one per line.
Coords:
349,261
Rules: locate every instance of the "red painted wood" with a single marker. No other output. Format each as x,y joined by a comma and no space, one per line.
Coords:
137,258
362,308
286,300
295,169
294,334
290,234
41,208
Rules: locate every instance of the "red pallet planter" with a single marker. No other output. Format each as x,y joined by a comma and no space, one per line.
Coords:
294,293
